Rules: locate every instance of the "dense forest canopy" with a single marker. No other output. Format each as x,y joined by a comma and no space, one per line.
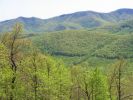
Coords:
56,66
80,56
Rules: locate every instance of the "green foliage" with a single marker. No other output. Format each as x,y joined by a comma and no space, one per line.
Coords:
30,73
125,27
78,46
74,43
99,86
5,73
78,20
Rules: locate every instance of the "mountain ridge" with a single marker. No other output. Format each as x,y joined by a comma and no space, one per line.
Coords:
72,21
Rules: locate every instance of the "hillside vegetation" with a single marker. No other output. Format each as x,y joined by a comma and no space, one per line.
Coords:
26,73
84,42
74,21
78,56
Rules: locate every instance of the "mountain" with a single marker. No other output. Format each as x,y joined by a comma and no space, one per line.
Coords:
77,46
30,24
125,27
78,20
83,42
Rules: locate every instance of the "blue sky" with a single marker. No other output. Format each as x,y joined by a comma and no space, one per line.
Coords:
48,8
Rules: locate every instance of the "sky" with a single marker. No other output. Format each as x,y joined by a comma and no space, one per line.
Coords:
44,9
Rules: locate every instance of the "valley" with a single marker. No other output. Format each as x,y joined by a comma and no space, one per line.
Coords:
85,55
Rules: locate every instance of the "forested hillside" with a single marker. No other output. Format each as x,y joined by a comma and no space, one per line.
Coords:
28,71
80,56
84,44
74,21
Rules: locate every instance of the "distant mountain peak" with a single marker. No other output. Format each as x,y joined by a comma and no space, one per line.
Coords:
21,17
77,20
125,10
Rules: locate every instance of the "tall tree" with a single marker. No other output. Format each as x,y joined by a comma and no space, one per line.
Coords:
99,86
14,43
5,74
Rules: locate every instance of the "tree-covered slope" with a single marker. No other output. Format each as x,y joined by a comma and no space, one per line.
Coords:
29,24
84,42
125,27
78,20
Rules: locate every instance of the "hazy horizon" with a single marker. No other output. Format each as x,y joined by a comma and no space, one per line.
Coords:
44,9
